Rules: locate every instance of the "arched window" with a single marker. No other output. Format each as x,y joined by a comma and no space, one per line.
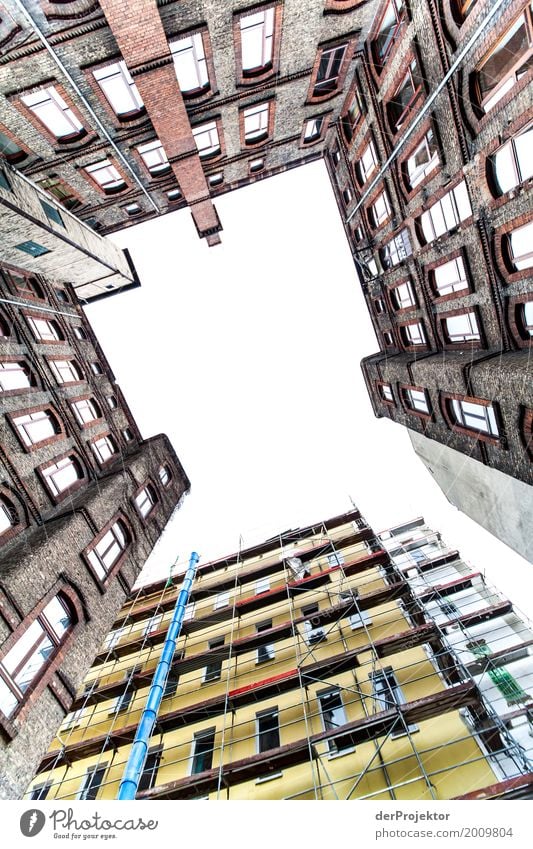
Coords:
15,376
66,371
45,329
62,475
28,287
474,415
512,163
165,475
37,427
145,500
8,515
388,30
518,243
5,327
104,448
86,410
25,662
462,327
109,548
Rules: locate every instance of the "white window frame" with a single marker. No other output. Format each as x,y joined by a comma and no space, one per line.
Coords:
43,329
86,411
221,600
61,475
190,64
403,295
154,157
461,328
513,161
447,213
29,426
52,111
337,713
313,129
414,333
104,448
110,548
66,371
119,89
456,282
106,175
418,171
207,139
417,400
523,258
145,501
257,40
481,420
256,120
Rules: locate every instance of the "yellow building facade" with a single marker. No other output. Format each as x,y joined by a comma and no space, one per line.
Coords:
306,668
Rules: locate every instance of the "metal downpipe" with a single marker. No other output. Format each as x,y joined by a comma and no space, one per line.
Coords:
139,750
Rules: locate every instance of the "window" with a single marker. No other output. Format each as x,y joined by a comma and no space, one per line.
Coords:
389,28
267,725
14,376
335,559
265,652
104,554
222,600
146,500
96,368
347,195
49,107
329,68
402,296
379,305
106,175
405,97
461,328
352,116
395,251
52,213
213,670
333,716
256,123
127,433
62,475
104,448
526,317
171,685
423,160
28,287
262,585
202,751
72,720
45,329
387,694
4,182
37,427
165,475
207,140
86,411
257,165
380,211
174,195
154,157
112,402
385,390
32,248
63,193
475,416
314,632
216,179
360,620
40,791
113,638
151,765
10,150
190,63
80,333
519,243
122,702
507,63
189,611
416,400
8,515
512,163
413,334
92,782
121,92
257,42
366,164
5,327
133,209
448,608
446,213
461,9
152,624
335,155
450,277
67,371
313,129
25,661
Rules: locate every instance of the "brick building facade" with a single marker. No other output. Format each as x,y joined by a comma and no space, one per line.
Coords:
83,500
135,115
432,175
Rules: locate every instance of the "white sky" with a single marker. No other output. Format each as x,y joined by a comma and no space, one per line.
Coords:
247,355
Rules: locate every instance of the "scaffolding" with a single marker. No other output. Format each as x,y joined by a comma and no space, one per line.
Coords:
367,691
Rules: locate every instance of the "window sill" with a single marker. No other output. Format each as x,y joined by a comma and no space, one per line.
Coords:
264,778
333,756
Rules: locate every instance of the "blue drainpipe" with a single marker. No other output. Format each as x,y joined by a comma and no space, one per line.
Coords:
139,750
